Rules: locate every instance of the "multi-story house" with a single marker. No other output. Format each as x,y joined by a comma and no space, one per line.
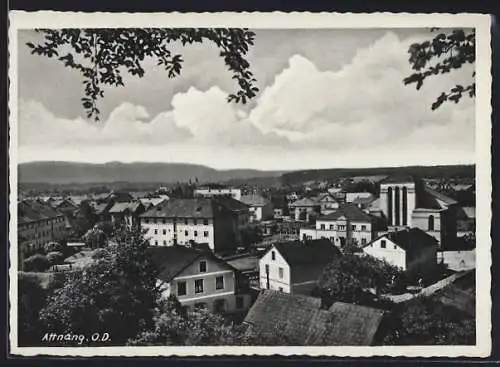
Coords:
260,208
211,192
127,213
303,209
328,204
412,250
348,224
200,279
37,224
214,221
295,267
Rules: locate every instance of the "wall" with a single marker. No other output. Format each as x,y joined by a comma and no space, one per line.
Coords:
393,254
458,260
275,282
420,219
411,199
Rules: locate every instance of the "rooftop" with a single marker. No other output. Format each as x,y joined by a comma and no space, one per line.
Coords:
320,251
300,318
350,211
254,200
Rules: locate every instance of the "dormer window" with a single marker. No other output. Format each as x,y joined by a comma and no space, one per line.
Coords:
203,266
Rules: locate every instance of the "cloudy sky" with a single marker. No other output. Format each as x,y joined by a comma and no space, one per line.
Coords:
329,98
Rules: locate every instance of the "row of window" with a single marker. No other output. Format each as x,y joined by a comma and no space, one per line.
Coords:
44,221
342,227
186,233
199,286
186,221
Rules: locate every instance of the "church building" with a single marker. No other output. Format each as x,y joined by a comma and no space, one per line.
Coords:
405,202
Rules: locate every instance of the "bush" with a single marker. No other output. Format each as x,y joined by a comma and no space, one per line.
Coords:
36,263
53,247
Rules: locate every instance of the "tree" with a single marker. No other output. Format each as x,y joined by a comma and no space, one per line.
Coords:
444,53
30,300
36,263
425,321
349,278
116,294
101,55
84,219
95,238
53,247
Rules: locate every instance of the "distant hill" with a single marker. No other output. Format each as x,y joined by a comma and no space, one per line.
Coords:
454,171
61,173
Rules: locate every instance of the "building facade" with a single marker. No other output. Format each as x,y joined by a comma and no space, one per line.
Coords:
216,222
259,207
211,192
200,279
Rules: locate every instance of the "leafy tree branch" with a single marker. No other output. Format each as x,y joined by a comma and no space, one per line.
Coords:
101,55
443,54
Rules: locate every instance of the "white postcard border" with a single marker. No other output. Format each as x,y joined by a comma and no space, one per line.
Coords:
49,19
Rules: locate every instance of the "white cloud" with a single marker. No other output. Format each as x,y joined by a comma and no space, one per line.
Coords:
364,105
358,115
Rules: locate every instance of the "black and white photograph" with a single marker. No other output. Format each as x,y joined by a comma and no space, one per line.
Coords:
246,184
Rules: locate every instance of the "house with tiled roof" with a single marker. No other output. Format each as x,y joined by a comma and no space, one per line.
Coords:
198,278
260,208
216,221
412,249
127,213
348,224
406,202
294,267
302,322
304,208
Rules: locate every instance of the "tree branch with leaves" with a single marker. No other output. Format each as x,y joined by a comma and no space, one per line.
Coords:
101,55
443,54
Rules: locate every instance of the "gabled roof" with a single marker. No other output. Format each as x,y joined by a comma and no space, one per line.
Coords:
125,207
300,318
170,261
34,210
254,200
320,251
411,240
350,211
305,202
466,212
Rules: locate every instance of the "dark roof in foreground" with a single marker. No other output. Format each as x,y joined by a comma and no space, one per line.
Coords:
300,318
319,251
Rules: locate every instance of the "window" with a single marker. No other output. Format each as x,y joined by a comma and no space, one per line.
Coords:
431,223
280,289
196,233
273,255
156,231
239,302
383,244
205,222
198,286
156,243
363,241
164,243
185,221
203,266
164,231
280,272
154,220
181,288
164,221
205,234
363,228
322,226
186,233
219,282
332,227
267,268
353,227
395,247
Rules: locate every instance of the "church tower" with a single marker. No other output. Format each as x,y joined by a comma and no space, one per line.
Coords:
398,200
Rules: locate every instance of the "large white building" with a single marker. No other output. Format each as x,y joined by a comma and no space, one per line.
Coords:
215,222
348,224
